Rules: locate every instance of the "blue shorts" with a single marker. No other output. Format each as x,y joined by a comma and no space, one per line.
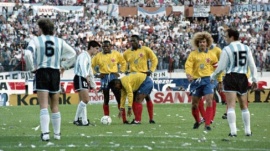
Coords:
146,87
201,87
106,79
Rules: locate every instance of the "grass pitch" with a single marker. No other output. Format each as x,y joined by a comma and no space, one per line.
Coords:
19,130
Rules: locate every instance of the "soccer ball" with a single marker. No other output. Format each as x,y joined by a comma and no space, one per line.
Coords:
106,120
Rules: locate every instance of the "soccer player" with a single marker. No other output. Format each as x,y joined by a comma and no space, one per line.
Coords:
83,80
198,69
107,61
47,53
139,59
235,59
134,82
217,52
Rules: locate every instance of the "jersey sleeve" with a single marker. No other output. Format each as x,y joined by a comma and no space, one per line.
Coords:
68,56
252,67
153,59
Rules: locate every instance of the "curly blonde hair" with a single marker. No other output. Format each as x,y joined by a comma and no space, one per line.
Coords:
200,36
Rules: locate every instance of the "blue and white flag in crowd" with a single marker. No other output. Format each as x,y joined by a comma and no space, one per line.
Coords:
160,12
113,10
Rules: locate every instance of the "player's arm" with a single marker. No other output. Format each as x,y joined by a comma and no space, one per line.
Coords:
128,91
253,70
123,99
29,56
91,78
189,67
222,63
122,63
68,56
94,64
153,58
127,63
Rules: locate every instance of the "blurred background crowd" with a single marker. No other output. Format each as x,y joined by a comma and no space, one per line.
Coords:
168,36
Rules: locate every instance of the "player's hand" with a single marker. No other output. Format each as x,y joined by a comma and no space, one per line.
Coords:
96,93
101,76
220,86
189,77
120,113
129,112
148,73
253,86
62,70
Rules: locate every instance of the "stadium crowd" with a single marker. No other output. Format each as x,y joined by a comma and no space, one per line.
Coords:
168,36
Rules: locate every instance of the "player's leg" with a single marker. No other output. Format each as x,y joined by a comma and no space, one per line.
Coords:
117,94
44,115
144,90
150,109
201,110
245,113
55,116
106,108
243,102
54,92
208,111
195,111
41,86
231,116
137,108
81,86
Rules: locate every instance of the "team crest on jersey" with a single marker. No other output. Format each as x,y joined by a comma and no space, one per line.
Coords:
113,60
208,60
141,55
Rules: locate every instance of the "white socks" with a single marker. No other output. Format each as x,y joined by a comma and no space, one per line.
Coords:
246,121
56,122
44,120
84,116
80,109
231,117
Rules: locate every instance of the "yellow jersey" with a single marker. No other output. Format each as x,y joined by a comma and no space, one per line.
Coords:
137,60
108,63
200,64
130,84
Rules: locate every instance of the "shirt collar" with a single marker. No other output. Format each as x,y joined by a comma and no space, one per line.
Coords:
203,51
136,49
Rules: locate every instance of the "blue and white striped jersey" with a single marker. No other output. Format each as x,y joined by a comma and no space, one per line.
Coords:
83,67
237,58
51,52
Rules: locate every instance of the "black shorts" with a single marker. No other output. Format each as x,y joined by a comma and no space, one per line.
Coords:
235,82
47,79
80,83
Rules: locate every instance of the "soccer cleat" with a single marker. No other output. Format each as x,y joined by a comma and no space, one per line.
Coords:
45,136
232,135
125,122
224,116
196,125
78,122
135,122
152,122
207,128
57,136
249,134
